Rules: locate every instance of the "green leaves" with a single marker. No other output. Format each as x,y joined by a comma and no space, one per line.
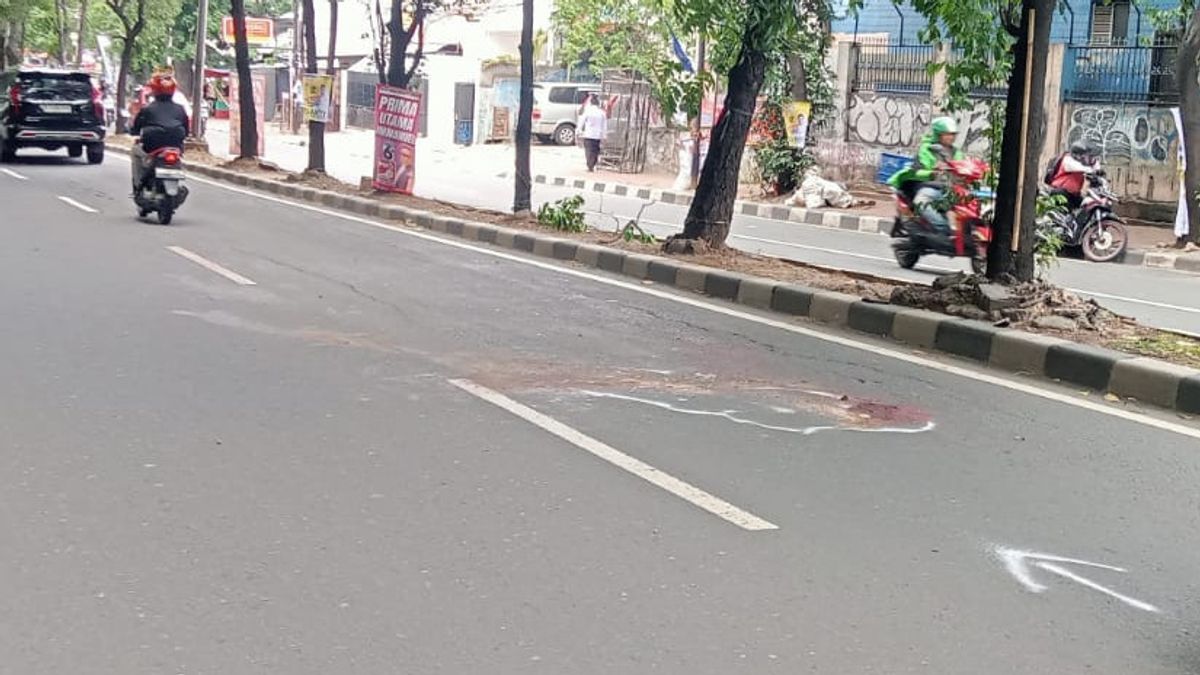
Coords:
564,215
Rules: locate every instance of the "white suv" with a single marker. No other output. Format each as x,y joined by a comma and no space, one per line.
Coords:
556,109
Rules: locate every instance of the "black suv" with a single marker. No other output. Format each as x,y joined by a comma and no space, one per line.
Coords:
50,109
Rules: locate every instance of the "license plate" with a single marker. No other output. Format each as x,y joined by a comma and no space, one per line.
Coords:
51,109
173,174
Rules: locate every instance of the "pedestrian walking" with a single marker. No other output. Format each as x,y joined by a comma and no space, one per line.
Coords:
593,124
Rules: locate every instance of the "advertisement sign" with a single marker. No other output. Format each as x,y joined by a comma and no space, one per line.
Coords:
795,119
318,97
396,123
258,31
259,81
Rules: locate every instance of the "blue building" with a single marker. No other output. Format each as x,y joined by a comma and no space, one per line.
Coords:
1114,53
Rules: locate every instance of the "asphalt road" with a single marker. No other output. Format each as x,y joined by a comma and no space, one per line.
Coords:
1163,298
270,439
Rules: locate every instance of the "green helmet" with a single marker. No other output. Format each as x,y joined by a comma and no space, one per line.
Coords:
945,125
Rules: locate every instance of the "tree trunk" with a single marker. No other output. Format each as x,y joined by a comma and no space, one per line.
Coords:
711,212
1188,71
399,74
241,48
83,10
61,11
522,197
316,130
123,81
1002,260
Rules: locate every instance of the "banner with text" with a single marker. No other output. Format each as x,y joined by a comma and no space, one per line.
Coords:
396,114
318,95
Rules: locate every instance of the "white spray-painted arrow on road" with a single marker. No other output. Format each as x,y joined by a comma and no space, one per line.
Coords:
1019,562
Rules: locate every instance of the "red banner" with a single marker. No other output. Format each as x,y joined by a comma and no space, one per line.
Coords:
396,117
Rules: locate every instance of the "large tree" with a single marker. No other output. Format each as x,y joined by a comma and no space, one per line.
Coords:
997,44
522,189
132,16
246,109
749,38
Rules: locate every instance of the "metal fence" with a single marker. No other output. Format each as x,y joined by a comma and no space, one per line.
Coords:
1121,74
893,69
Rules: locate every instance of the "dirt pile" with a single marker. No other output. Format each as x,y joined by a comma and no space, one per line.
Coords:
1033,304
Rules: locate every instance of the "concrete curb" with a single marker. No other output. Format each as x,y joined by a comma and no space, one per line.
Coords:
1146,380
832,219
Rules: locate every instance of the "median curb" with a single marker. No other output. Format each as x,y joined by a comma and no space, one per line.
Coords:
827,218
1143,379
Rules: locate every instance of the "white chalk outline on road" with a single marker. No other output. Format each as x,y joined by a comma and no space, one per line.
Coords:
1017,563
13,174
866,256
71,202
685,491
211,266
679,298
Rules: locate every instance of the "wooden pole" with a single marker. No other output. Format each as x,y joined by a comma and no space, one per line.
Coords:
1016,233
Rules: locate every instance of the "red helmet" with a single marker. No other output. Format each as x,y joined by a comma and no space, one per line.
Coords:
162,84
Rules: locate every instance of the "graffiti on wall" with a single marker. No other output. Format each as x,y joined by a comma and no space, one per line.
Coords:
1126,134
900,121
887,121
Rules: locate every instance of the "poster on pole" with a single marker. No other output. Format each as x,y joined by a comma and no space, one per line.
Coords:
1182,226
795,119
396,114
318,98
259,82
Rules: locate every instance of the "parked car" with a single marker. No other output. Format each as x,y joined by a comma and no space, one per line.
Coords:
556,109
51,109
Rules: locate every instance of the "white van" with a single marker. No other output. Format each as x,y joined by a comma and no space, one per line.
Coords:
556,109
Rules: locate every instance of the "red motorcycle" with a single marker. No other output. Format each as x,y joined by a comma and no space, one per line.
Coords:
970,216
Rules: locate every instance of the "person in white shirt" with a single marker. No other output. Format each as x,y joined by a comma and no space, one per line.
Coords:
593,124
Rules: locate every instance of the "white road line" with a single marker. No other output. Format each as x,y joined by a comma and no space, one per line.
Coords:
730,311
686,491
13,174
82,207
211,266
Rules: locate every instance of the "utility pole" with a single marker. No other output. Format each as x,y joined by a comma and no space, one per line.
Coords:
198,80
698,129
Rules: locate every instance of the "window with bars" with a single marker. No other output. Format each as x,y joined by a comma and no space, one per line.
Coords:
1110,23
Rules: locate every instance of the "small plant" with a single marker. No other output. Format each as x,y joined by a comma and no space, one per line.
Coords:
564,215
1049,241
632,229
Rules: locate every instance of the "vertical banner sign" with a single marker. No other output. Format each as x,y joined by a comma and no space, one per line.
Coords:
1182,226
318,98
259,81
795,120
396,114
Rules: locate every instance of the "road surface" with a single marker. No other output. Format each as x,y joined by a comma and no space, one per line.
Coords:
272,439
482,177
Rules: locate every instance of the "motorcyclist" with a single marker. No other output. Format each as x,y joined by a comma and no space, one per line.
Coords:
1071,171
921,182
162,123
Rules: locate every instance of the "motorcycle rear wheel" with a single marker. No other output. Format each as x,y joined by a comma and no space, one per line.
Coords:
164,216
907,256
1105,246
979,265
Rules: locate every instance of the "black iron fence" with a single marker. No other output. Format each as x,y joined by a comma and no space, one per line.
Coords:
893,69
1121,74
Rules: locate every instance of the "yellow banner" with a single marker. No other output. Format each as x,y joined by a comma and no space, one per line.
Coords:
318,95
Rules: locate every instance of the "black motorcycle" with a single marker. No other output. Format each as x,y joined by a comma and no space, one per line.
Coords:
1094,226
162,190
